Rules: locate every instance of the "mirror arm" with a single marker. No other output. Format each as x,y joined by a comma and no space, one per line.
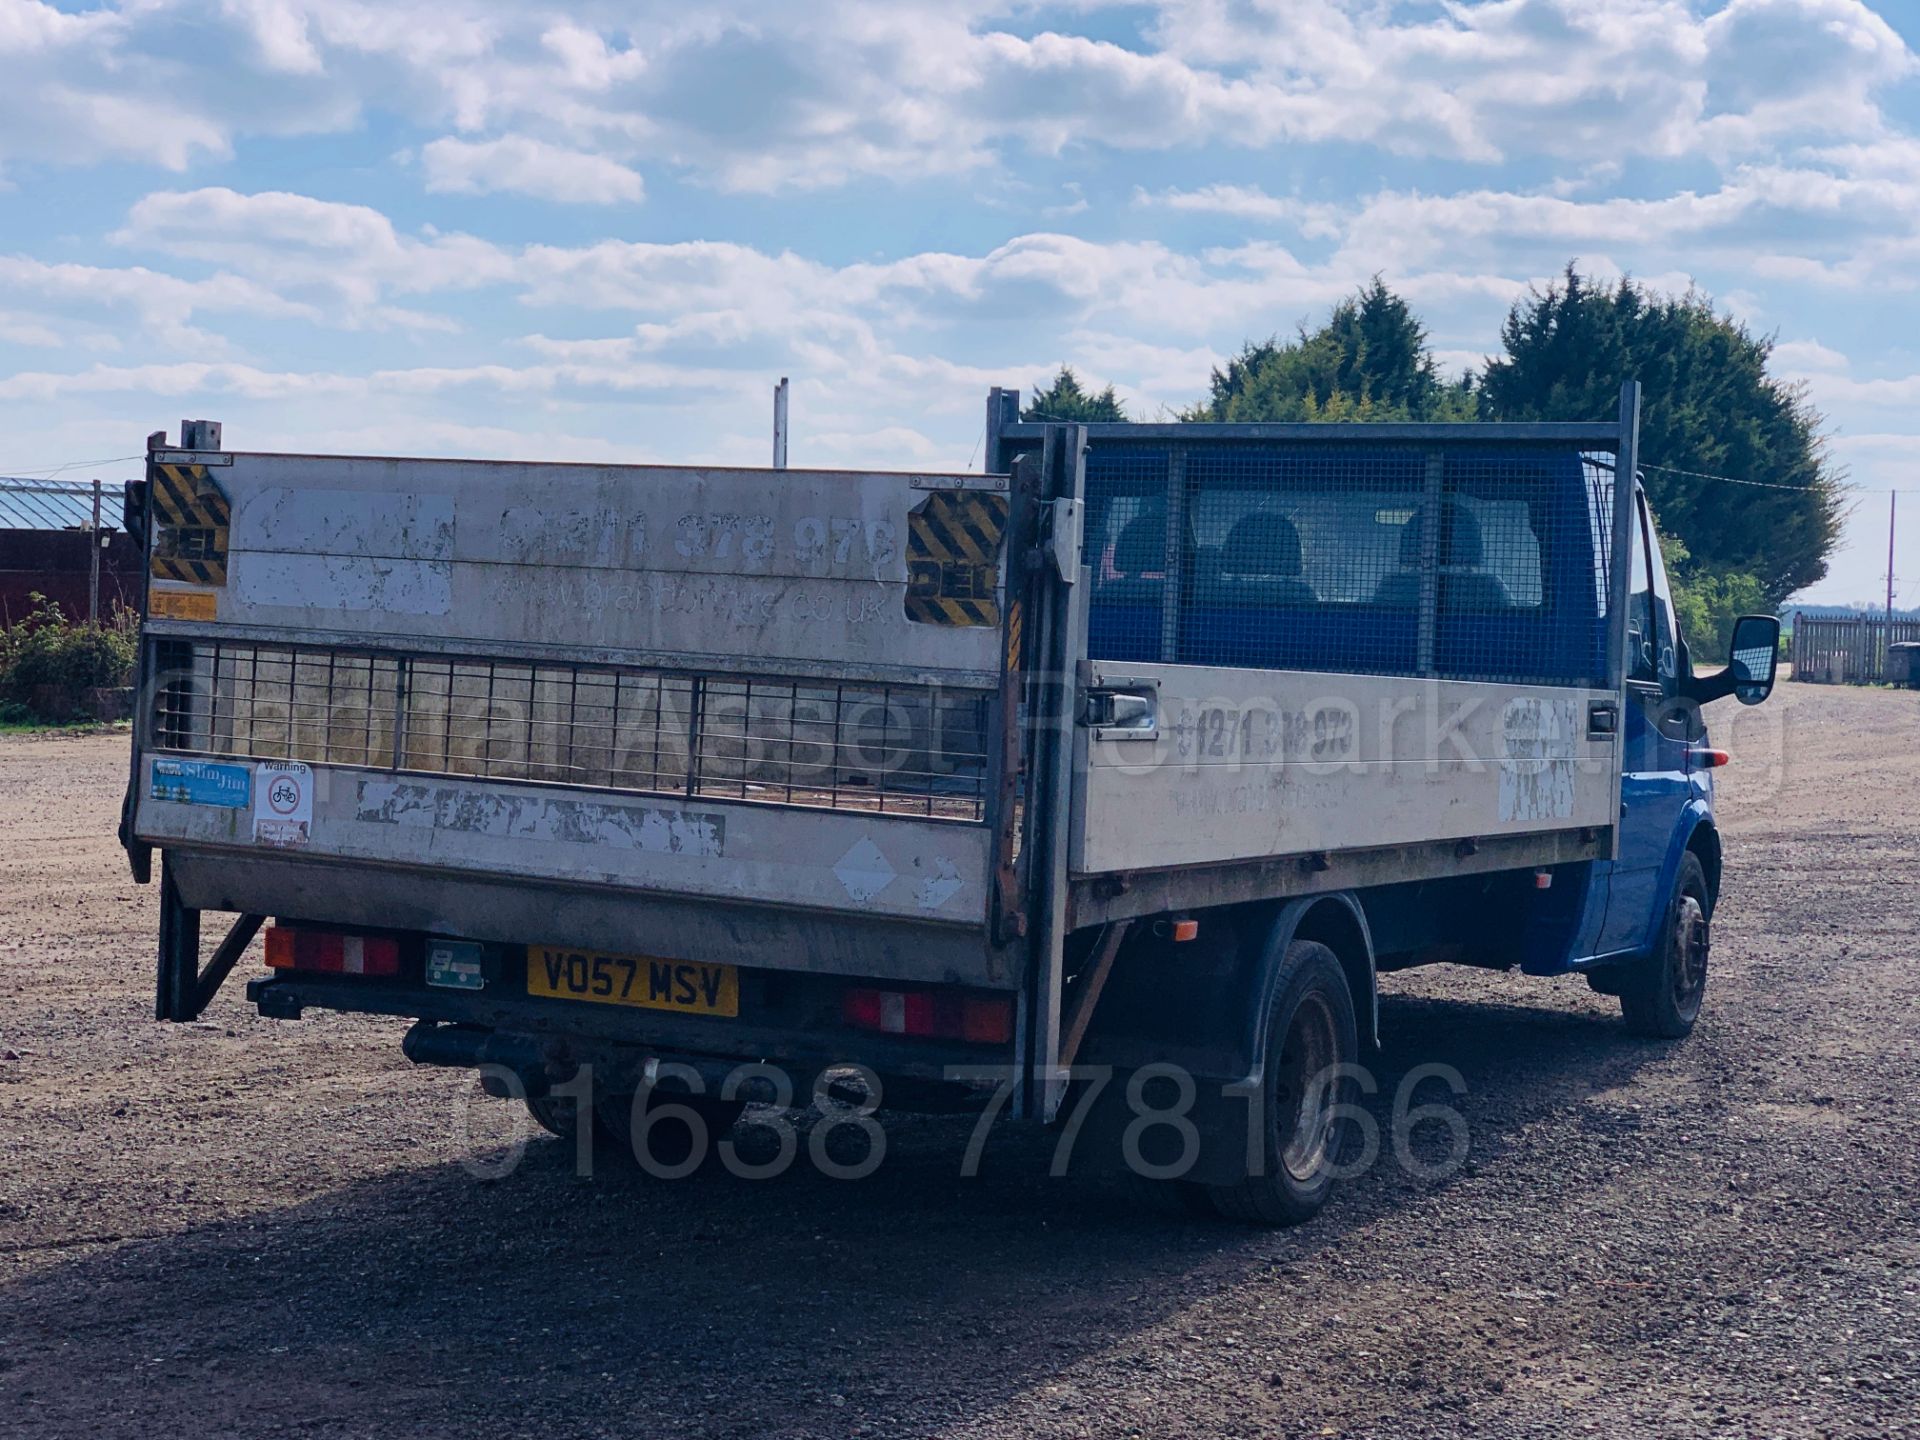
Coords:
1705,689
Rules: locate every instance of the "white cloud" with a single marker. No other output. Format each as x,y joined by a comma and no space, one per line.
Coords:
335,262
519,165
1798,357
1751,216
93,297
748,96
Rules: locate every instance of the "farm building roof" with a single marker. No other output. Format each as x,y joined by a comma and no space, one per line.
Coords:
54,504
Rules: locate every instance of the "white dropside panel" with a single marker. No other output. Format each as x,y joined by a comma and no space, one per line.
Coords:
1247,764
879,865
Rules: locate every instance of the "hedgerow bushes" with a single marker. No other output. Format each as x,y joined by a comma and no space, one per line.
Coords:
47,656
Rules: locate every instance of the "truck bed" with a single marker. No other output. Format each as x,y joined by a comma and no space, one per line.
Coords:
580,704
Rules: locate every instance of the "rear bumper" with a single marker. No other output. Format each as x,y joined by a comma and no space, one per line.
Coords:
795,1036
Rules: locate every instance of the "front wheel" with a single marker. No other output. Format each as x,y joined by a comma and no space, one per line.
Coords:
1307,1091
1662,994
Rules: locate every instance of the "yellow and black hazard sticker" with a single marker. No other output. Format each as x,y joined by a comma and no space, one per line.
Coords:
190,518
953,558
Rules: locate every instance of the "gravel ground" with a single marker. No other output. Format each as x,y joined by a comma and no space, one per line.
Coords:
245,1226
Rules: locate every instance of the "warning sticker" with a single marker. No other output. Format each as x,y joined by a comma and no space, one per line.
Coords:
282,803
953,558
191,522
182,604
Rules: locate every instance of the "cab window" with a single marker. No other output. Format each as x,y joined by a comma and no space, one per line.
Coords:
1642,637
1668,654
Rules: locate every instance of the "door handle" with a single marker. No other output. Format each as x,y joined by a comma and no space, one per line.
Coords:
1603,719
1123,710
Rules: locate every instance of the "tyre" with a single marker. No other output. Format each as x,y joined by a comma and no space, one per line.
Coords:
669,1139
1312,1046
1661,994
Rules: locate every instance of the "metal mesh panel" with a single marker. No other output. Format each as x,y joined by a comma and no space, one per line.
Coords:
1520,549
275,703
1396,560
1126,548
1297,559
895,749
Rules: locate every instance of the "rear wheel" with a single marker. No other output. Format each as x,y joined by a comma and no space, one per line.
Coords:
684,1126
555,1115
669,1138
1661,995
1312,1044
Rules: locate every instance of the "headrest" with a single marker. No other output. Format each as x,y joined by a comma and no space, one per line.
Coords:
1459,546
1262,543
1142,546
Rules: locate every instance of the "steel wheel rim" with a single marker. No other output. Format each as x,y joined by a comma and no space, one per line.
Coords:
1690,944
1304,1088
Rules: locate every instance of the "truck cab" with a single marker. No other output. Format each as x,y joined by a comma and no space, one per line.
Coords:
1660,889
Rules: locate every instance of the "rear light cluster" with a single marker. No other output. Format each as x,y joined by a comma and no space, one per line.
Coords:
931,1014
332,954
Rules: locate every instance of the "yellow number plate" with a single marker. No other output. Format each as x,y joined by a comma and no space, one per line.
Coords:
560,973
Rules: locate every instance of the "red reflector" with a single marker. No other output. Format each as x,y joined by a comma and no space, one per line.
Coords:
1184,930
930,1014
330,953
1708,759
861,1008
987,1019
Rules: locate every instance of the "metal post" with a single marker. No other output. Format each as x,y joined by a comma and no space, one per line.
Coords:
93,565
1063,641
1433,528
1893,514
780,424
1620,581
1003,409
1176,556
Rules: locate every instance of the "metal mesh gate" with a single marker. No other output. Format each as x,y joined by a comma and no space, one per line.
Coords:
894,749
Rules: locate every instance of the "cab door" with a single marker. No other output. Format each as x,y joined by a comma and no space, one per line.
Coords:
1654,785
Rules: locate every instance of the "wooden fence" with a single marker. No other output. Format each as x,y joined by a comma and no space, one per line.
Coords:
1847,651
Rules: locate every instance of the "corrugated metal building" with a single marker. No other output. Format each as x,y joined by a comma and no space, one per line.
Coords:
47,545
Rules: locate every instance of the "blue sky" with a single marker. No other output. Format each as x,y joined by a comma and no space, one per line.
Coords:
601,231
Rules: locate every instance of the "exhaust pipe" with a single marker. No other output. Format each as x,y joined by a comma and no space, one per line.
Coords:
467,1047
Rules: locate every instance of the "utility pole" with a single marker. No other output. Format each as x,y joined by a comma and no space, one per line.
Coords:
93,564
1893,510
780,424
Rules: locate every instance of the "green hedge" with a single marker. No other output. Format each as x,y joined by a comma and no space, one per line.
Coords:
46,648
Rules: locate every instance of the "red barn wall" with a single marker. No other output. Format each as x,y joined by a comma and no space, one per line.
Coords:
54,563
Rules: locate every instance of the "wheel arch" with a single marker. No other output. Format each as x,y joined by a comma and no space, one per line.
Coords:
1166,1002
1704,841
1206,1007
1337,922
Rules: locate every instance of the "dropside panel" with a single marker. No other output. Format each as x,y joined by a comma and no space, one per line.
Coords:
1250,764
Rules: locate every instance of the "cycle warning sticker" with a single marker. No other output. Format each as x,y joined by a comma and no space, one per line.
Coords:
282,804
